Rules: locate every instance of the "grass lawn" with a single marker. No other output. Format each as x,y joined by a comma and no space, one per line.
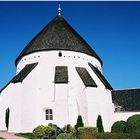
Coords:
26,135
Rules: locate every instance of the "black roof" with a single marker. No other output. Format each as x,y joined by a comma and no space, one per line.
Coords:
101,77
85,76
61,74
58,35
128,99
21,75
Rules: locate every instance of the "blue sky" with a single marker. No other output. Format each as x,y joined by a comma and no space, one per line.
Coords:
112,29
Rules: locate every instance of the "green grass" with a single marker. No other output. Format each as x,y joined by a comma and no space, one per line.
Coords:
26,135
2,138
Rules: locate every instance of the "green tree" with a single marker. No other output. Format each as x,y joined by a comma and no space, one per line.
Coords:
118,127
79,122
99,124
133,124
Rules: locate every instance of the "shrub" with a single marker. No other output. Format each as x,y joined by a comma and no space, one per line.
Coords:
79,122
65,136
44,132
99,124
118,127
68,129
108,135
133,124
87,132
57,129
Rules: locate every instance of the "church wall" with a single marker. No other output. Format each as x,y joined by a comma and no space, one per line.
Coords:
28,102
46,86
4,104
99,104
53,56
10,98
15,108
77,97
123,115
40,92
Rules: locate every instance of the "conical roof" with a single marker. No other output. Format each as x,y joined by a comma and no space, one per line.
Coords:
58,35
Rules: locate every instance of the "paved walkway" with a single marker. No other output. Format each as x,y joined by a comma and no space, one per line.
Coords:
8,135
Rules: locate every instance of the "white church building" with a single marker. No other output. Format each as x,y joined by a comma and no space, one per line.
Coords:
58,77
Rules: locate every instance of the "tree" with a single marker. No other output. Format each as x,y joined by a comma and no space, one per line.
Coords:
118,127
79,122
133,124
99,124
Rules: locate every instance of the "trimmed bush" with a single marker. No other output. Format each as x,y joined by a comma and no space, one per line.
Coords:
87,132
44,132
99,124
68,129
118,127
79,122
108,135
133,124
58,130
65,136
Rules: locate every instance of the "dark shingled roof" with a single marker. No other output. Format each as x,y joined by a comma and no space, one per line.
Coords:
61,74
21,75
101,77
85,76
58,35
128,99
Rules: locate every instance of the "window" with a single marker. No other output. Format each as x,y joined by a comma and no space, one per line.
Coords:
60,54
49,114
61,75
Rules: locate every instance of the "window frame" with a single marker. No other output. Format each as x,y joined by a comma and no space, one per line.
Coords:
48,114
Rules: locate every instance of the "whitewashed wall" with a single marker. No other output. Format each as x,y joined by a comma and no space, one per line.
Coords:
38,92
123,115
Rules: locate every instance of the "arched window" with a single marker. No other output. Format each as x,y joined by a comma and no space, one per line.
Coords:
60,54
49,114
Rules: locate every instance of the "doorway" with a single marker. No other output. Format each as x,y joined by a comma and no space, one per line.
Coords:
7,115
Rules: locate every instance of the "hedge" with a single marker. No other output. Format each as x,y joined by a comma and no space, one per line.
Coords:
108,135
118,127
133,124
65,136
87,132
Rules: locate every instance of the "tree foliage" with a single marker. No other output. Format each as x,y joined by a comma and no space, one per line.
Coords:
99,124
79,122
44,132
133,124
118,127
